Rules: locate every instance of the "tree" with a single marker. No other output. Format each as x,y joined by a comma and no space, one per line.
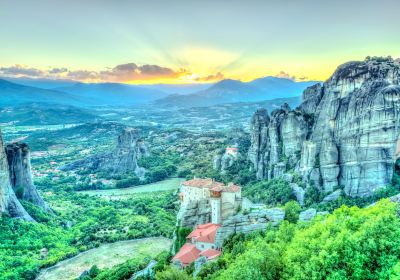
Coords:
172,273
292,211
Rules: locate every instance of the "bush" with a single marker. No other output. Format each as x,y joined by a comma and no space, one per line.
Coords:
271,192
292,211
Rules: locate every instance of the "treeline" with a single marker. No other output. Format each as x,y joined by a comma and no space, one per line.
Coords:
351,243
84,223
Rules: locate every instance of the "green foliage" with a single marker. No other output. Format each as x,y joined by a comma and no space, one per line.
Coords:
122,271
163,259
36,212
181,233
172,273
94,221
19,192
312,195
351,243
271,192
129,182
292,211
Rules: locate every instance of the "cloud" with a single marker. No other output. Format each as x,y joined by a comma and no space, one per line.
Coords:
82,75
58,70
123,73
20,70
217,77
283,74
131,72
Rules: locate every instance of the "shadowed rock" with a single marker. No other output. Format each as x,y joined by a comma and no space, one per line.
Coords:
19,164
124,158
9,203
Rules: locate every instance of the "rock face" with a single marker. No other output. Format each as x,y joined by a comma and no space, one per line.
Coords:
254,221
124,158
19,163
9,203
194,213
222,162
345,133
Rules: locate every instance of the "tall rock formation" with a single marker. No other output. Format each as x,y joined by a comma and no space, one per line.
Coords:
19,164
124,158
345,132
9,203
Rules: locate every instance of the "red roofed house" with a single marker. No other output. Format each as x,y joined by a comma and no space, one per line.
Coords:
200,244
233,151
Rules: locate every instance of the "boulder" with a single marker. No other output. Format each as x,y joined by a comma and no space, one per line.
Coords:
307,215
333,196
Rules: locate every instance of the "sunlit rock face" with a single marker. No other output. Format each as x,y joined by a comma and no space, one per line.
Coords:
19,163
345,132
124,158
9,203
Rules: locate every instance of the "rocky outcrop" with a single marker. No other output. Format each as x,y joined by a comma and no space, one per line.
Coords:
254,221
19,163
222,162
194,213
276,141
124,158
333,196
307,215
345,133
9,203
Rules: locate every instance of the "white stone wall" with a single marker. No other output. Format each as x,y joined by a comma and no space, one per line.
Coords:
204,246
215,210
194,194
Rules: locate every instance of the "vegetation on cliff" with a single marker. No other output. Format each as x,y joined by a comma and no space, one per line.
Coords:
351,243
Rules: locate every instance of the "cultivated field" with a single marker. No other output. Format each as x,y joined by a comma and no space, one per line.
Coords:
105,256
166,185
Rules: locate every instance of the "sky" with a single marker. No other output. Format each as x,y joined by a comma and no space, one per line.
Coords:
188,41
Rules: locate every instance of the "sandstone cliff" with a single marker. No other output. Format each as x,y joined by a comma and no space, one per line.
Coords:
344,134
9,203
19,164
124,158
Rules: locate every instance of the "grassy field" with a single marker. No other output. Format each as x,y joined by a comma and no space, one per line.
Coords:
166,185
105,256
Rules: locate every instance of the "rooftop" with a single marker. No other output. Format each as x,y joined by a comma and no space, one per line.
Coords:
187,254
204,233
211,185
210,254
202,183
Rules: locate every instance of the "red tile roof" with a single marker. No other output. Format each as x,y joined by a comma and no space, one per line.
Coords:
211,185
204,233
210,254
202,183
187,254
232,188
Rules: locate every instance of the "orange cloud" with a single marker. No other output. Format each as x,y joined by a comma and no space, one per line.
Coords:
210,78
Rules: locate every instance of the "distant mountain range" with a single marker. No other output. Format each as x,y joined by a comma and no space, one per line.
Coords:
12,94
69,93
231,91
113,94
